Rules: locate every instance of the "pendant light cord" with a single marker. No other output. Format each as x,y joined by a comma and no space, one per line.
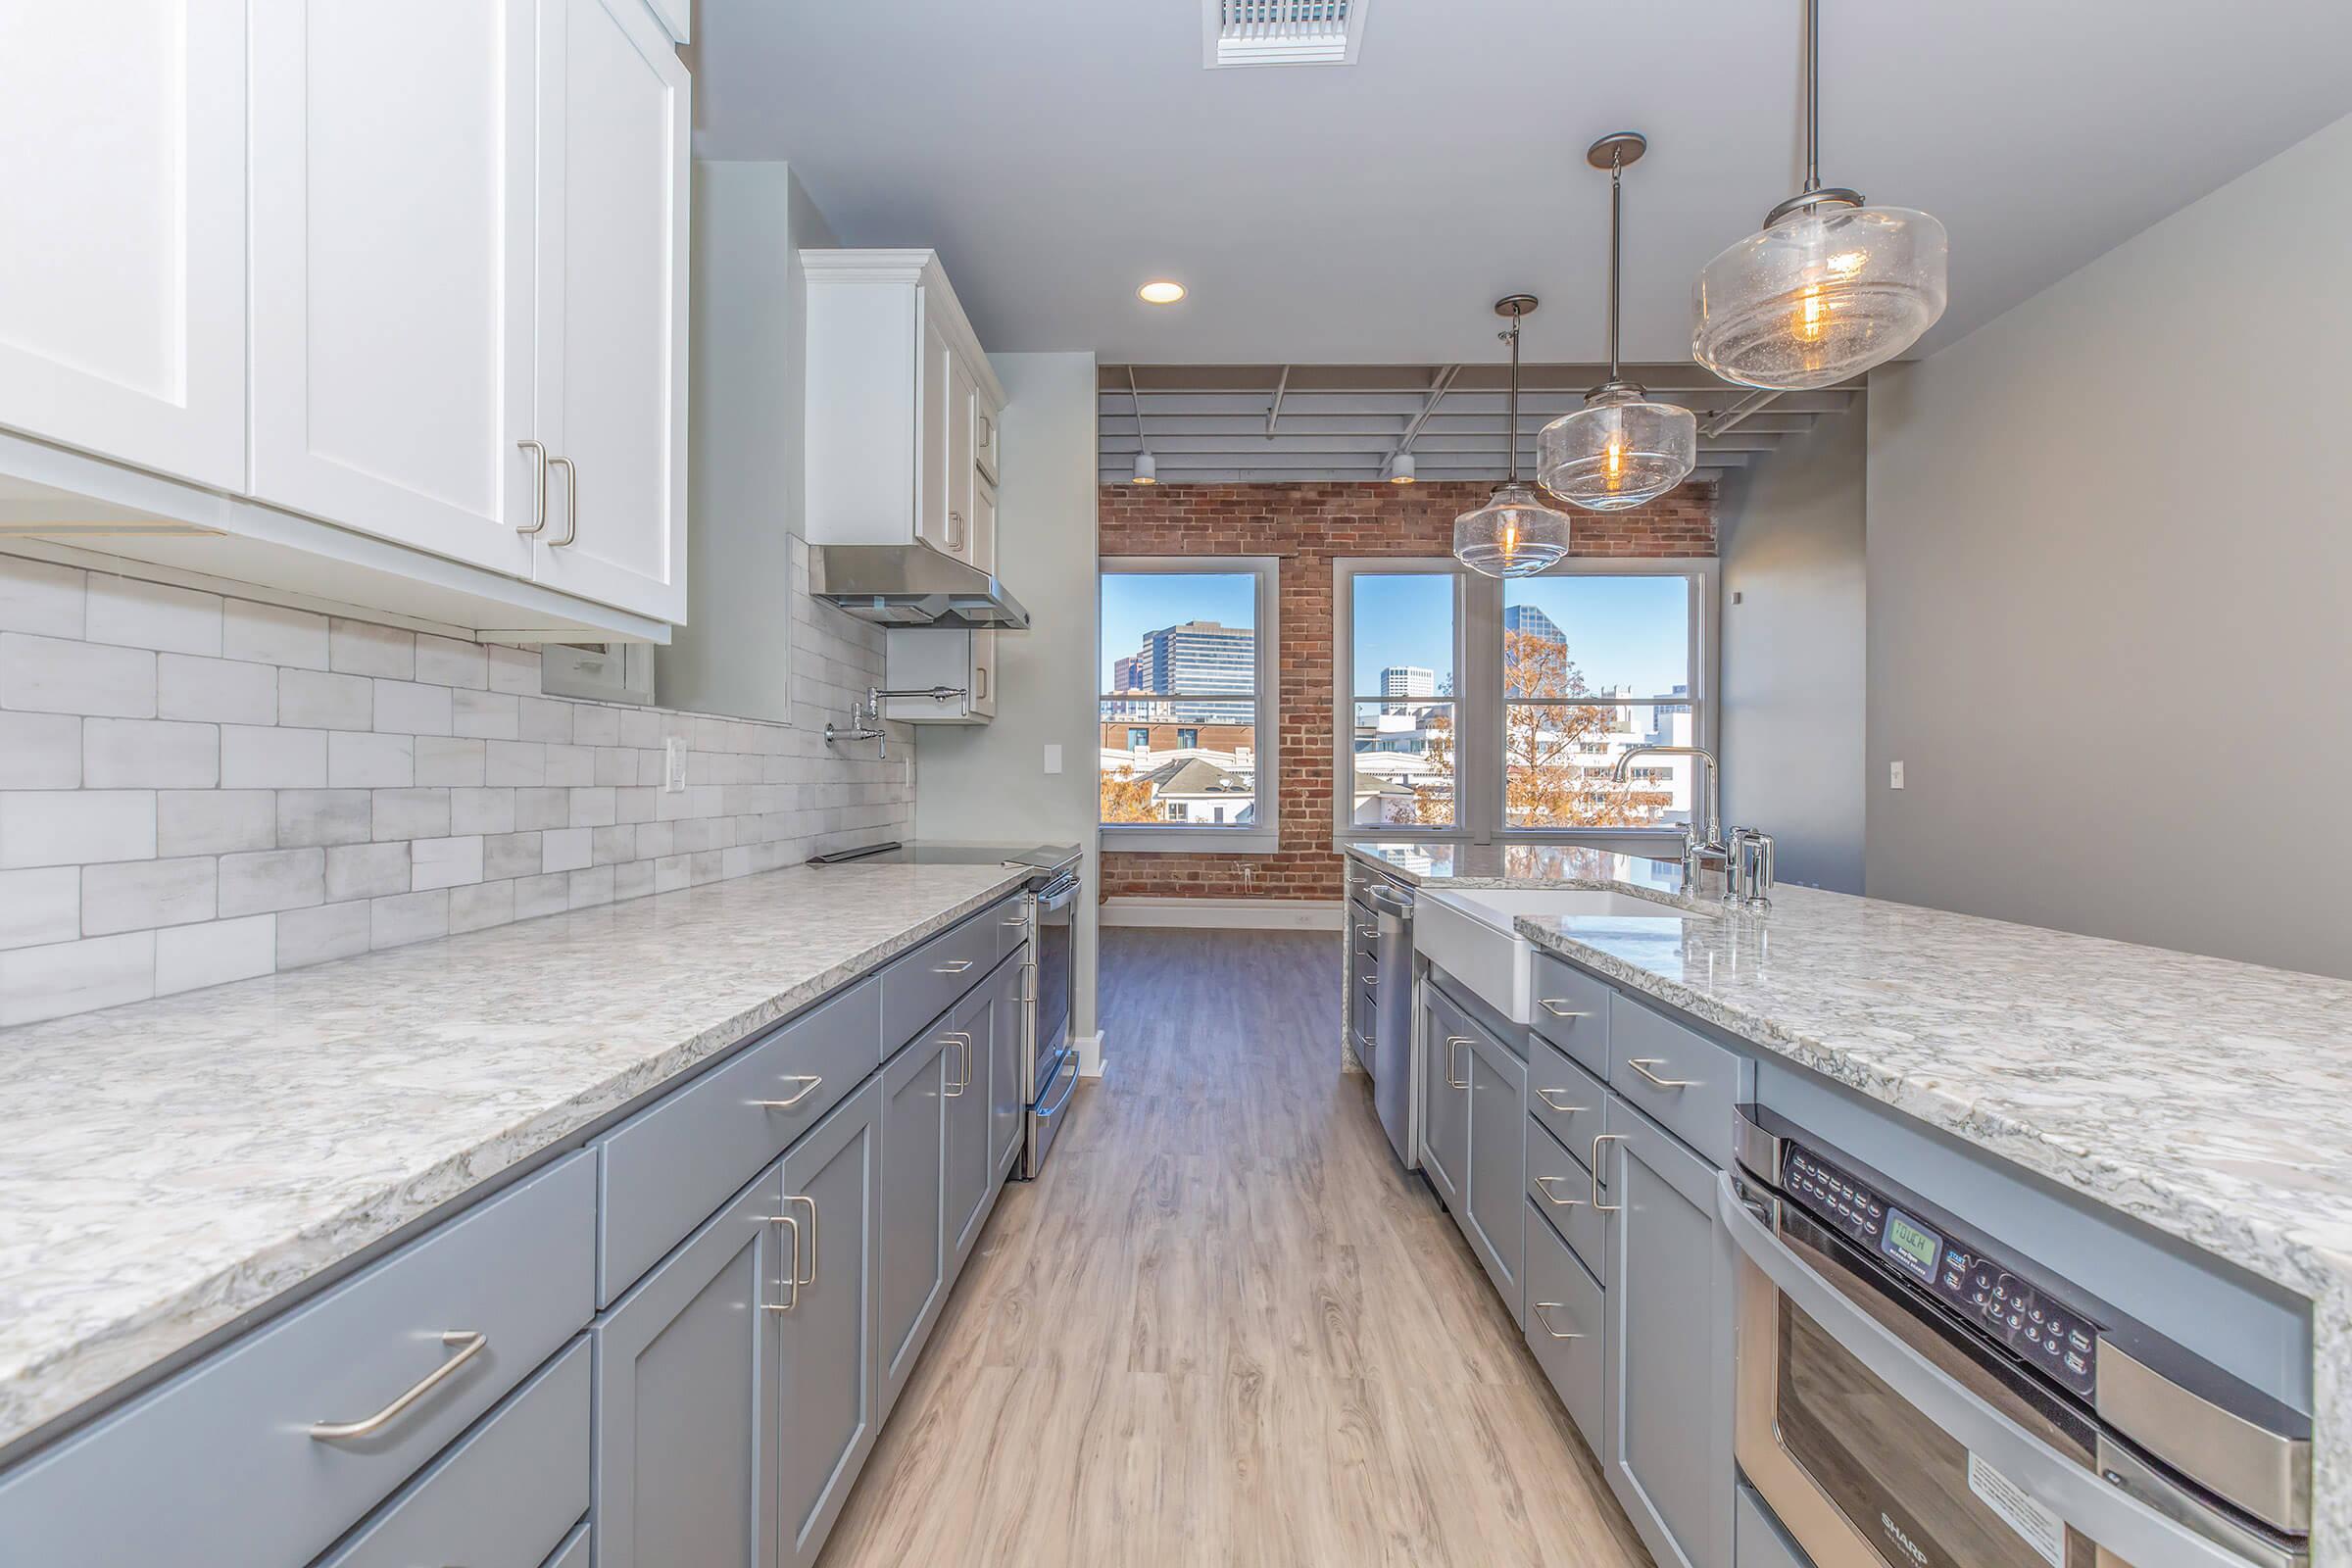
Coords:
1616,178
1513,335
1812,96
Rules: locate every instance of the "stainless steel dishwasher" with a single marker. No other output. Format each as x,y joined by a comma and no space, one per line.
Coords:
1391,1066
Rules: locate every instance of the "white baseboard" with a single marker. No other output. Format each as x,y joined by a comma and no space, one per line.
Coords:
1226,914
1090,1055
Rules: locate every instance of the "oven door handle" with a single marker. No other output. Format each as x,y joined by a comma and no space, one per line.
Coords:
1055,1108
2126,1527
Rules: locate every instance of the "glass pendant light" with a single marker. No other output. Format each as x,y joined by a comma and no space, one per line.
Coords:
1829,288
1620,449
1514,534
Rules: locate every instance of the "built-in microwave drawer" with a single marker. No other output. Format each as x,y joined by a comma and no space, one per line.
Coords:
504,1497
1682,1080
1562,1190
1571,1009
671,1166
1565,1325
266,1451
919,986
1564,1099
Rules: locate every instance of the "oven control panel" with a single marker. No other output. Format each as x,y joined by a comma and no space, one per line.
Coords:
2057,1341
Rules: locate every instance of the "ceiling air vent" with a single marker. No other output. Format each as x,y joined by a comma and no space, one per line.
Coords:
1281,32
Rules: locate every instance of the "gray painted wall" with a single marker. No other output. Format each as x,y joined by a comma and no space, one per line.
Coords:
987,781
1791,532
2111,589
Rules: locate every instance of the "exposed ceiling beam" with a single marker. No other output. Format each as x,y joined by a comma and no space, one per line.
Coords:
1436,395
1738,413
1274,408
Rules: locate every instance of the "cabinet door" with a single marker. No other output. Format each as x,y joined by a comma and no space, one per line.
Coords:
832,1191
1498,1165
931,523
972,1167
122,285
961,478
612,305
1667,1447
686,1406
984,439
915,1209
1445,1106
984,524
984,673
1008,1087
393,190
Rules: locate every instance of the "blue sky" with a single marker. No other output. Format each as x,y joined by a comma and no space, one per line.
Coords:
1621,630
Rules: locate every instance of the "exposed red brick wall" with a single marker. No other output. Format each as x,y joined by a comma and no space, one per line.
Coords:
1310,525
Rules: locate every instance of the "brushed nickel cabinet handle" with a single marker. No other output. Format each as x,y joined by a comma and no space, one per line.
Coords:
1642,1065
1544,1182
804,1197
1598,1206
469,1345
1371,982
1544,1095
1545,1318
1453,1043
808,1083
571,501
963,1042
1367,932
953,967
981,696
1559,1008
954,530
1021,920
539,463
792,1266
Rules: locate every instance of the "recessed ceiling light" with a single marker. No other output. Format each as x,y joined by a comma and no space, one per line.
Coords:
1162,291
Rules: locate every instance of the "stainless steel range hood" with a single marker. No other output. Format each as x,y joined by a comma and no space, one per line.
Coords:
911,585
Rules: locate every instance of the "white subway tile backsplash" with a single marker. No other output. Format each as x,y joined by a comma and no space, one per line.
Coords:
449,761
213,821
271,634
357,648
75,827
315,699
486,716
592,808
591,887
569,765
141,895
324,816
446,862
363,761
485,903
408,917
149,754
314,936
76,976
41,906
194,956
406,708
546,719
217,690
61,675
535,895
40,750
566,848
593,725
542,808
37,596
512,763
445,661
266,880
367,870
513,855
517,671
481,810
153,615
258,759
410,814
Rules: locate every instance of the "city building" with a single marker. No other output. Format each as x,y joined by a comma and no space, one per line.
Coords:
1528,618
1194,658
1406,680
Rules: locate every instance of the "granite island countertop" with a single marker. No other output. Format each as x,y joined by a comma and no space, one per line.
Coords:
2209,1100
168,1166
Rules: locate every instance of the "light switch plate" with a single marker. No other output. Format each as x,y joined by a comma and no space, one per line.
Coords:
673,765
1895,775
1053,759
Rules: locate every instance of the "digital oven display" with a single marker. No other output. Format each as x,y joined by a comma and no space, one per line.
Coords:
1912,1244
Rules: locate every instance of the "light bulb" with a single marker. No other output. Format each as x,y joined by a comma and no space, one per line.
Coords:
1614,467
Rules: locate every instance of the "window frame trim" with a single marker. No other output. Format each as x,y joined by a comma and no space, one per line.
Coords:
1264,836
1479,785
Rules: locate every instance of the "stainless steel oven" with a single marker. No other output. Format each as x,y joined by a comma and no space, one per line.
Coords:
1913,1395
1049,1059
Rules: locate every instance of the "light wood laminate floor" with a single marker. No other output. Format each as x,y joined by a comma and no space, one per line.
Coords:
1226,1327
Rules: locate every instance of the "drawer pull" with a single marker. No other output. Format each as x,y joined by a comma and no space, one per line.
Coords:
1559,1008
792,1266
1452,1042
953,967
1371,982
962,1043
1544,1182
804,1197
470,1344
1367,932
1598,1206
1545,1318
1020,920
1642,1065
808,1083
1544,1095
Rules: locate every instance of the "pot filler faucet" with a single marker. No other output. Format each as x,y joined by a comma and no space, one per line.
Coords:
1745,856
865,718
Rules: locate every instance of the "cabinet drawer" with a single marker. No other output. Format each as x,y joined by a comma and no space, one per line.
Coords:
1560,1187
1565,1325
1571,1009
1009,920
673,1165
220,1465
1363,928
919,986
1687,1084
1564,1097
504,1497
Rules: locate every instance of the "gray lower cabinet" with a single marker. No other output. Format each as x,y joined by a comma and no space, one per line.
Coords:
915,1244
827,1328
1444,1100
970,1167
687,1378
1567,1325
575,1550
1490,1211
1667,1440
1007,1095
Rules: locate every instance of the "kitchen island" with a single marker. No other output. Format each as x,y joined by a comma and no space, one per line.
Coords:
2208,1101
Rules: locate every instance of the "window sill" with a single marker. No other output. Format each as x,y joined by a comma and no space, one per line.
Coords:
1123,840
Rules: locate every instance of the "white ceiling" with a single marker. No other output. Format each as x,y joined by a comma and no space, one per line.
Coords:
1058,152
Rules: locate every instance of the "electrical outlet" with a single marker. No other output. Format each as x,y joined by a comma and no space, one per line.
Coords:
673,765
1895,775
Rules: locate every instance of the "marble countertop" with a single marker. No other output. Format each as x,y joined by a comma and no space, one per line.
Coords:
168,1166
1470,865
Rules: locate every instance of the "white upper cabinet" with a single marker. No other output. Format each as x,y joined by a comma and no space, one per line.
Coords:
898,390
393,192
613,306
122,279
